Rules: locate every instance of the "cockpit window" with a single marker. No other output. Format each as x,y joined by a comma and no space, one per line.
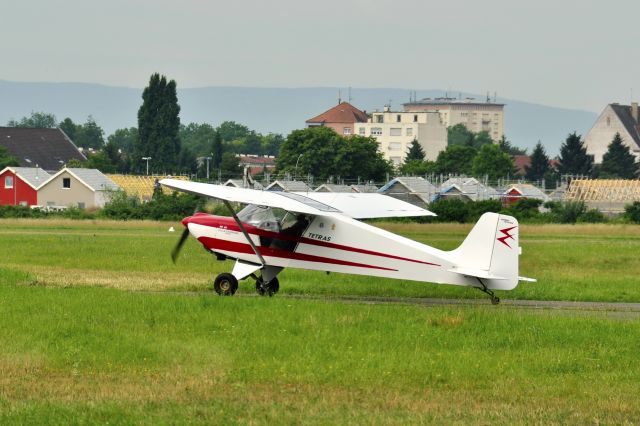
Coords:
263,217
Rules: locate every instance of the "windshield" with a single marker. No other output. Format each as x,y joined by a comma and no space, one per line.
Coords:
263,217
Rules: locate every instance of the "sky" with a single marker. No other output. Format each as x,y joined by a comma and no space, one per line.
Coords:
563,53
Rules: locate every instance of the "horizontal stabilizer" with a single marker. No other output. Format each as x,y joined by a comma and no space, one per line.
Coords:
479,273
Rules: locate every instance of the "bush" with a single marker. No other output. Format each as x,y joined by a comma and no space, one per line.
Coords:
632,212
524,209
450,210
592,216
161,207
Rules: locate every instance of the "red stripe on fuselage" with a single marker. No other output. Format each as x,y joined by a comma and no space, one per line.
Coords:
230,223
217,244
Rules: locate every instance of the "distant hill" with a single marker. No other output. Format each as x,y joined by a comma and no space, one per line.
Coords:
276,110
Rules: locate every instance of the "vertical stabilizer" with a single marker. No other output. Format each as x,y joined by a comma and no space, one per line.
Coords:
490,252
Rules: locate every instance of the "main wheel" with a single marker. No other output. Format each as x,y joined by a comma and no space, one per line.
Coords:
225,284
268,289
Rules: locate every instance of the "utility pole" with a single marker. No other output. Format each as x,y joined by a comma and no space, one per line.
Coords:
208,159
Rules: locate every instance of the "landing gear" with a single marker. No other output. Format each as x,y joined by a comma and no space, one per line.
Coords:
225,284
494,299
267,289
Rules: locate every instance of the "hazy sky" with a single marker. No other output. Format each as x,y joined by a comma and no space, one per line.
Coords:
577,54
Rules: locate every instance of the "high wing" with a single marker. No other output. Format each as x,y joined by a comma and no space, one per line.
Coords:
284,200
357,206
368,205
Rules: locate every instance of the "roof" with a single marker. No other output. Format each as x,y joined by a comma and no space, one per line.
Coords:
450,101
344,112
34,176
330,187
414,184
470,187
91,178
141,186
526,190
624,114
49,149
521,162
288,185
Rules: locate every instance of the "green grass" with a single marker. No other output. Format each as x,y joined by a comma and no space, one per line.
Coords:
571,262
97,355
81,344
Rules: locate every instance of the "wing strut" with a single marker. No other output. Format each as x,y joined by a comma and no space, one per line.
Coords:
244,231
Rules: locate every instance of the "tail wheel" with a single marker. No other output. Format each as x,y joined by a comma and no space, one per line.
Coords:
225,284
267,289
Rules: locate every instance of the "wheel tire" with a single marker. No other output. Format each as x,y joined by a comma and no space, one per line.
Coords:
225,284
269,289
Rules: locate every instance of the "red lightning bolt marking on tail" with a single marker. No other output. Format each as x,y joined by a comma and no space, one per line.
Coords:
506,236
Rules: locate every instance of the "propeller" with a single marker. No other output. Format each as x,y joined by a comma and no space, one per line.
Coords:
176,250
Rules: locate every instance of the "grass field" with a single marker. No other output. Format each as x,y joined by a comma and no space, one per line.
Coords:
98,326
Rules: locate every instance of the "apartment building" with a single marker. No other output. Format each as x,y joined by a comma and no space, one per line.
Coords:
476,116
395,131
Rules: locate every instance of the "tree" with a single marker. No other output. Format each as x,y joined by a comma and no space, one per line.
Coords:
198,138
492,162
509,148
100,161
230,166
539,164
230,131
456,159
482,138
415,152
36,120
618,162
124,139
417,168
216,151
358,157
271,143
69,128
459,135
90,135
574,159
7,159
322,153
158,126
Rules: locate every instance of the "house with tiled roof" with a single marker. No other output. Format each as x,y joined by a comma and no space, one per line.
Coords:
49,149
340,118
73,187
519,191
466,189
414,190
19,185
615,118
289,186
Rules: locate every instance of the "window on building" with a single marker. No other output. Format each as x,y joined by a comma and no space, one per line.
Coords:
376,131
66,182
415,118
24,203
409,131
395,160
8,182
81,206
346,131
395,131
361,130
395,146
398,118
379,118
608,121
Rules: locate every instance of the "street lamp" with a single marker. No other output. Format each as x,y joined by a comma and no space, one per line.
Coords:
147,160
207,158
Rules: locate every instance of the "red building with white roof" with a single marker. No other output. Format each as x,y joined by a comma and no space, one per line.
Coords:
19,185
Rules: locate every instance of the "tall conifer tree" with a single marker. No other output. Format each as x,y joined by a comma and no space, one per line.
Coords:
158,126
574,159
618,162
539,163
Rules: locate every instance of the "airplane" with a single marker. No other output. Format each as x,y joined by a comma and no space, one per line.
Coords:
324,232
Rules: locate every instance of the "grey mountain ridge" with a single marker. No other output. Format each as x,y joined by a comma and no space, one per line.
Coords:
275,110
